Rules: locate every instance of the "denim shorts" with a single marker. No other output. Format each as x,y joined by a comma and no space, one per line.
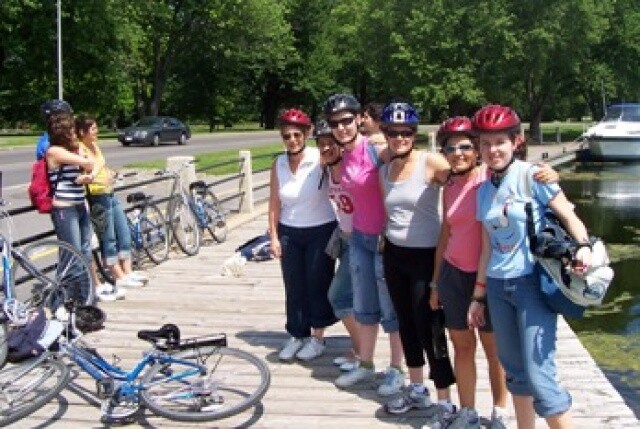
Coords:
341,289
371,301
115,240
525,329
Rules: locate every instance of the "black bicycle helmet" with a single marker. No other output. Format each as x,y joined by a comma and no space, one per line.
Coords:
322,128
54,106
89,318
341,102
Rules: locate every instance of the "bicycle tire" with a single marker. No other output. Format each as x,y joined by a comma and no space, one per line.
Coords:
23,389
155,239
62,272
237,379
4,347
185,228
217,225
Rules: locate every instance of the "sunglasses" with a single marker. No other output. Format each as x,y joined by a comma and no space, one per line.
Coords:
295,135
344,122
403,133
465,147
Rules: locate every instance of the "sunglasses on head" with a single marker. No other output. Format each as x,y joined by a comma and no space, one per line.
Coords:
401,133
464,147
344,122
295,135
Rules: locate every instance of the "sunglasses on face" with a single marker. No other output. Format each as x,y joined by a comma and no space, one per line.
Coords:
465,147
402,133
295,135
344,122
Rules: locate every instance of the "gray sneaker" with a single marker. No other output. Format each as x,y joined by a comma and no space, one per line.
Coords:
290,348
393,382
410,400
356,375
497,422
466,418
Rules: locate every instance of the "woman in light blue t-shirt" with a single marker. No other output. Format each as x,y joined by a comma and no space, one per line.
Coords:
524,325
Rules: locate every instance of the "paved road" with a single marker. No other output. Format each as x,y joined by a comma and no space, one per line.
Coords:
15,163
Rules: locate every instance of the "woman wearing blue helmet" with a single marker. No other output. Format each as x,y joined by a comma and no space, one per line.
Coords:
410,185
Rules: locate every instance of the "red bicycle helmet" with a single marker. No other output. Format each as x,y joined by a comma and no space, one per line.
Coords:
495,118
458,125
295,117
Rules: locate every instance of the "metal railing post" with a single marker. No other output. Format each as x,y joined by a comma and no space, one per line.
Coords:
246,183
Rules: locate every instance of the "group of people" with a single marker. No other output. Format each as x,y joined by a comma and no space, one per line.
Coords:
84,184
422,241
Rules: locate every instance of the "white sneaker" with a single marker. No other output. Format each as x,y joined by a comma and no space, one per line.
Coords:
311,349
106,292
128,282
138,276
349,365
393,382
357,375
62,314
290,349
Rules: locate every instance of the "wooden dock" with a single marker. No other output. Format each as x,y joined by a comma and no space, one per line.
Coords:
191,292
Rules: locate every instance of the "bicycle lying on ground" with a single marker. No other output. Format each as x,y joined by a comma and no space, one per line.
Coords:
191,379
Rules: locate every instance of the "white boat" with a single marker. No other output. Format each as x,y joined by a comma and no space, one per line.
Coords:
617,136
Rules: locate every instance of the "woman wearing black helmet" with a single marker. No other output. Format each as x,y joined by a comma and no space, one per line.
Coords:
371,301
525,326
46,109
301,221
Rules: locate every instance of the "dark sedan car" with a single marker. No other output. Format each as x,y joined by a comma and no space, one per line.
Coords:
153,130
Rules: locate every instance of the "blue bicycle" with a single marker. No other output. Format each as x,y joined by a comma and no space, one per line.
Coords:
193,379
148,228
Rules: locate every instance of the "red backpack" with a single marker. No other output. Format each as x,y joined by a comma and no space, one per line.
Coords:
40,189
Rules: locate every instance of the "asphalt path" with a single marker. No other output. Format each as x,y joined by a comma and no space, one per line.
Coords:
15,163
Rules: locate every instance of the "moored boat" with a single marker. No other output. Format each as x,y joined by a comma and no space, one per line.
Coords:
617,136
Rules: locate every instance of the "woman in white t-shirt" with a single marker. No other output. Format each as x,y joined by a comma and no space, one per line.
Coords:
301,221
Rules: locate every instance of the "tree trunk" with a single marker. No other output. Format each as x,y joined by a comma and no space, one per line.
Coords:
270,102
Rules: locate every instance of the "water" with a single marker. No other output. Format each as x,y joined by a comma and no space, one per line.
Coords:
607,199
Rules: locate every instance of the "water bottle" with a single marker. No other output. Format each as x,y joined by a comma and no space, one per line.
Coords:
438,337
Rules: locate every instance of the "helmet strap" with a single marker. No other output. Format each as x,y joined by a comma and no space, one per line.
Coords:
289,153
498,175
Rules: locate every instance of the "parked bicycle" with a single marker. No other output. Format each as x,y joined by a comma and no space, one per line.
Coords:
209,211
191,379
148,228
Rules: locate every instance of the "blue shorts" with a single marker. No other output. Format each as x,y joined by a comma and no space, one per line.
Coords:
341,289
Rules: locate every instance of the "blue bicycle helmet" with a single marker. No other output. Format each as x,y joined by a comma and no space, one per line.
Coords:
400,114
54,106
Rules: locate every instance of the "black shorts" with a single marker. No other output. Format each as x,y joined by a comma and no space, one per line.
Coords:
455,288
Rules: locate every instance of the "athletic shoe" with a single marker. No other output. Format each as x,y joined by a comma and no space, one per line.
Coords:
340,360
355,376
290,348
106,292
349,365
61,314
393,382
466,418
497,421
411,399
311,349
138,276
128,282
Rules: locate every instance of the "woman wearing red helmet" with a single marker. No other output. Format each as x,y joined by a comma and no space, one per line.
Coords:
301,220
525,327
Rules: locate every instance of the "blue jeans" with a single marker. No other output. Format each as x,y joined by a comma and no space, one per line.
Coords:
341,289
307,272
72,225
116,238
525,329
371,301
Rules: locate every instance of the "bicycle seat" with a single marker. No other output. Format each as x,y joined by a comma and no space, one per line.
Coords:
137,197
170,333
198,184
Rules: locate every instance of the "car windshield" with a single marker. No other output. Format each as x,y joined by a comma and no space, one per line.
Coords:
146,122
625,113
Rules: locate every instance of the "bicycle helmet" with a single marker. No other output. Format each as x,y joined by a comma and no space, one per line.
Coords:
458,125
400,114
295,117
495,118
54,106
321,129
89,318
341,102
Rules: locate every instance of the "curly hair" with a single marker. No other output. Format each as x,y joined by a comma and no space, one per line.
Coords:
61,130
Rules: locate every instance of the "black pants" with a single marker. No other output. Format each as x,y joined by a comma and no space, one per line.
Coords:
408,272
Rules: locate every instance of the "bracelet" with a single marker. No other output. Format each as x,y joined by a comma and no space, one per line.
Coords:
479,299
481,284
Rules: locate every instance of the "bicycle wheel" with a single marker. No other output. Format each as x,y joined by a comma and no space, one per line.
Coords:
217,221
4,347
26,387
234,381
185,228
153,228
50,272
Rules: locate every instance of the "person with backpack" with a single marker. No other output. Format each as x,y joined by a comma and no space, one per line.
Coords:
70,171
301,221
525,326
115,237
46,109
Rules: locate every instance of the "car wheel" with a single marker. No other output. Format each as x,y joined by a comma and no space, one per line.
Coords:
182,139
125,144
156,140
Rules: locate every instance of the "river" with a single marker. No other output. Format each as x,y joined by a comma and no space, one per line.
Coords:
607,199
